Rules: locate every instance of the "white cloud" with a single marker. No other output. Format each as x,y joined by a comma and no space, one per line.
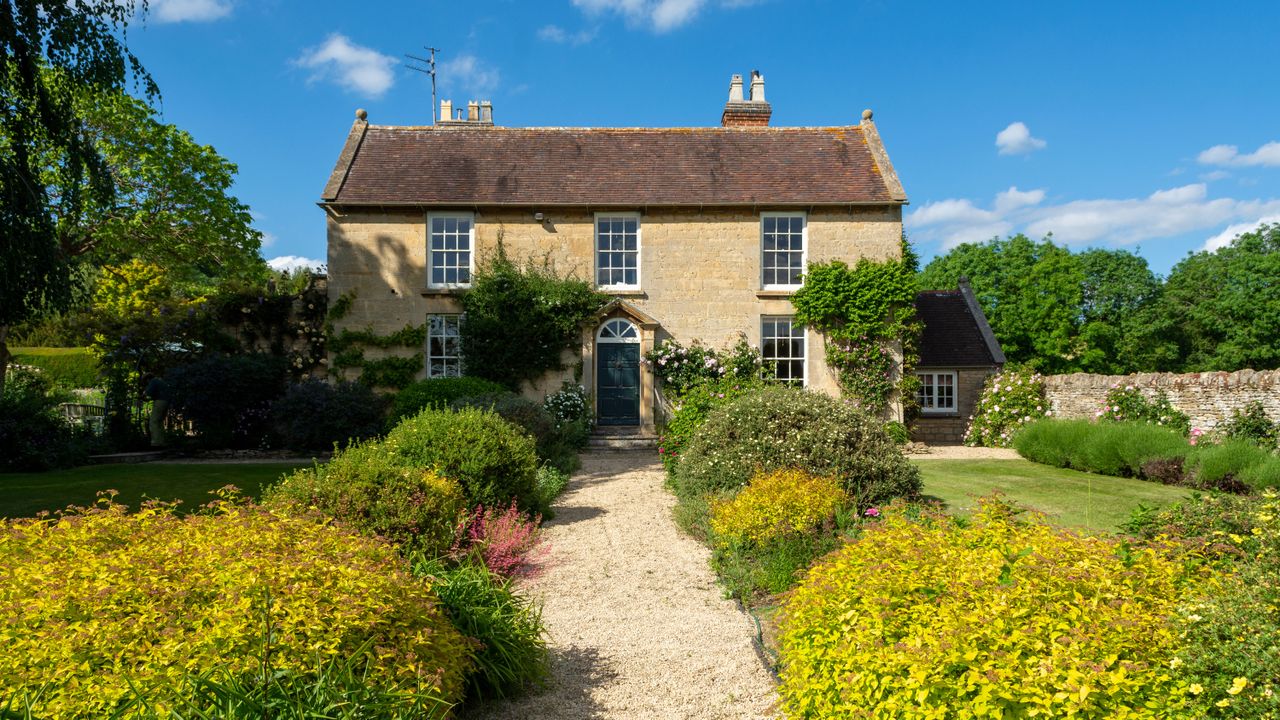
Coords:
295,262
1215,175
173,11
1017,140
1164,213
357,68
268,239
1224,238
660,15
1267,156
468,74
557,34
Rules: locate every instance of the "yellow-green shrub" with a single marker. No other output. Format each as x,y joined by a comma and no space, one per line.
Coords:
94,601
993,618
776,504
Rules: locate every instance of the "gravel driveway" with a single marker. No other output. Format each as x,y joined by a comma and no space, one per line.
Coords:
638,628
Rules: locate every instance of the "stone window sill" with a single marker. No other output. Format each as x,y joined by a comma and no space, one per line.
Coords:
625,293
443,292
783,294
927,415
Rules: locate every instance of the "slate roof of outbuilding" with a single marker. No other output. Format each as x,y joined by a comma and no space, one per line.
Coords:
635,167
956,333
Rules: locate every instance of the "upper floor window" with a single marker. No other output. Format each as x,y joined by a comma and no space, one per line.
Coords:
937,393
444,346
782,346
618,250
450,249
782,242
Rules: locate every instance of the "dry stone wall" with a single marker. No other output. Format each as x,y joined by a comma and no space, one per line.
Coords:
1208,398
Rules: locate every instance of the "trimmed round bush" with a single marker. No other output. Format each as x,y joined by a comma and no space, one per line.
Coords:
527,415
143,600
922,615
776,505
438,393
314,414
493,460
372,490
779,427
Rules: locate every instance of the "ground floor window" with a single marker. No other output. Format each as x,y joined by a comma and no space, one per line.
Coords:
782,345
937,392
444,346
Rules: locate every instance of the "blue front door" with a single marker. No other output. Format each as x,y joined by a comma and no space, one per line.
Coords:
617,384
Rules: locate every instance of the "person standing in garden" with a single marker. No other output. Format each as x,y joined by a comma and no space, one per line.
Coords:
158,392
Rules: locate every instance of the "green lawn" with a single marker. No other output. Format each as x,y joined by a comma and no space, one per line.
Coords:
1068,497
25,494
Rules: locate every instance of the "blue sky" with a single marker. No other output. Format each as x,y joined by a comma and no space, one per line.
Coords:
1149,126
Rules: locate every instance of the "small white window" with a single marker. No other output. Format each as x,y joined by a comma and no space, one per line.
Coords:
782,345
450,249
782,246
444,346
619,331
937,393
618,251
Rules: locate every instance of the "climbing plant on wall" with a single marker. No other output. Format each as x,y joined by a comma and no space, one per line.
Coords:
519,318
864,313
348,347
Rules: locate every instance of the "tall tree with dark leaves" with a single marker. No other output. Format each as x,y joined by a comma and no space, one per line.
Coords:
1118,288
51,50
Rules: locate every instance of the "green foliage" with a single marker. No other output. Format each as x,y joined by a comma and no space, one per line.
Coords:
53,50
551,482
1253,424
392,372
691,411
569,404
375,492
754,573
682,368
227,398
1120,448
897,432
33,434
1118,288
512,651
493,460
1129,404
1227,646
782,427
775,505
153,596
438,393
410,336
1003,617
519,320
863,312
534,420
1010,399
316,415
1032,294
64,367
1231,465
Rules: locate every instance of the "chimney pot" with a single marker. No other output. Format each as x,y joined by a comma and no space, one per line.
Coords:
757,86
735,89
486,111
446,110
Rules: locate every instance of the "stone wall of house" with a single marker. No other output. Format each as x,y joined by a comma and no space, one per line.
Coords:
699,270
1208,398
949,429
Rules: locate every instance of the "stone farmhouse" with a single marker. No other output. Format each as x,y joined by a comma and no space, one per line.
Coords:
699,233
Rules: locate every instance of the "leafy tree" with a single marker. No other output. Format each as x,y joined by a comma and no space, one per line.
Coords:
1031,292
51,49
1118,286
1221,310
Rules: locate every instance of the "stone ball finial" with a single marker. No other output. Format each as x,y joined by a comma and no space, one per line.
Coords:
361,114
866,114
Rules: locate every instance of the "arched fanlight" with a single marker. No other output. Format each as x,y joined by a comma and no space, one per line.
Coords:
619,330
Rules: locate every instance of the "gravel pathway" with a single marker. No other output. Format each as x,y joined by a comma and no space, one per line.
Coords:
961,452
638,628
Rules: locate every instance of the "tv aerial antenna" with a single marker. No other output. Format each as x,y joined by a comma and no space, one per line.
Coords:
426,66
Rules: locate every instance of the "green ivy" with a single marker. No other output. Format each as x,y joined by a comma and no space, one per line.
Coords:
410,336
391,372
862,312
348,348
520,318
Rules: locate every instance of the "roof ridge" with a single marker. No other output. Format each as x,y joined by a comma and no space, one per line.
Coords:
588,128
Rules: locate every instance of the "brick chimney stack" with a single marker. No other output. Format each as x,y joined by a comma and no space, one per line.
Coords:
750,113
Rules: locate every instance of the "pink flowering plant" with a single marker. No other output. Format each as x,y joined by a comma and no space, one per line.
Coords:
1010,400
507,541
682,368
865,370
1126,403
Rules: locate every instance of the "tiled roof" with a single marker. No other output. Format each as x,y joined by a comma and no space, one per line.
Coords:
388,165
953,333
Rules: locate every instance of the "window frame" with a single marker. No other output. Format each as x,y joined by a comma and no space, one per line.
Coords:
471,248
804,248
955,395
804,346
426,352
595,250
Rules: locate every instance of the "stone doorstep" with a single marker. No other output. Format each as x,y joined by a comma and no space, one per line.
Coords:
622,438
